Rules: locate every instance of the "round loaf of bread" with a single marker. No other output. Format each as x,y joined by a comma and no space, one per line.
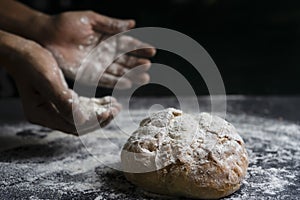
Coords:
177,154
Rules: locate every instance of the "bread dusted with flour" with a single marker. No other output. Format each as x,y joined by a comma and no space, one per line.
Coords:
177,154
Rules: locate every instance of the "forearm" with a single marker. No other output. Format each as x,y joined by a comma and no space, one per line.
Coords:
21,20
11,48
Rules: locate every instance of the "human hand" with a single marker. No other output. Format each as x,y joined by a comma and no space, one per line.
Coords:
70,37
46,98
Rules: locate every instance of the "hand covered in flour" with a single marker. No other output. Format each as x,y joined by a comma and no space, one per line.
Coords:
70,37
46,98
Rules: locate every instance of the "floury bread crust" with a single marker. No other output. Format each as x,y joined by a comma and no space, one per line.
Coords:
182,155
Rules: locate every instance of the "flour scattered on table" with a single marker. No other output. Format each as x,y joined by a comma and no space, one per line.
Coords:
59,166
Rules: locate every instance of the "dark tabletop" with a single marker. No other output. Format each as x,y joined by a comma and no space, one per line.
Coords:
39,163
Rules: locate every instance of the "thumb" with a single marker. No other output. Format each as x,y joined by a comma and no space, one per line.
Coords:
65,100
110,25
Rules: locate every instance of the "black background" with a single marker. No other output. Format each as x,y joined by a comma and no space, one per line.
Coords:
255,44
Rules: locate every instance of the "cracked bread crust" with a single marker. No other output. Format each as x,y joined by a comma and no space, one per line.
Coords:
179,154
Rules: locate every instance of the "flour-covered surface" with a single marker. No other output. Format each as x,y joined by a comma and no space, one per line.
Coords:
38,163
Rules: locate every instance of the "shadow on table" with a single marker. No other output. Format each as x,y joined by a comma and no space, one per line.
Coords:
31,146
